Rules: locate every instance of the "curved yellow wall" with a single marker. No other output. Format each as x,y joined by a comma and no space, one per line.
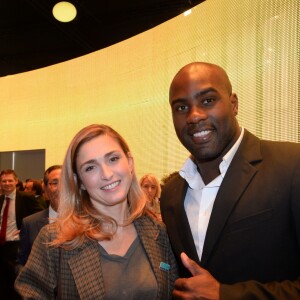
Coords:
126,85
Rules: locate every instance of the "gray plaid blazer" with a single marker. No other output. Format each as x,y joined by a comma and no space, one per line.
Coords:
77,274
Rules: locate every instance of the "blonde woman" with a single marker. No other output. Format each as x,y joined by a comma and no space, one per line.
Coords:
105,243
151,186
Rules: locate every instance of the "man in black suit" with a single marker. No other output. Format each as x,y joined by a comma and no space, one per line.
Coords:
14,206
32,224
233,213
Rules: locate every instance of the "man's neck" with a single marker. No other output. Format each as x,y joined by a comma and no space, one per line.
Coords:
209,170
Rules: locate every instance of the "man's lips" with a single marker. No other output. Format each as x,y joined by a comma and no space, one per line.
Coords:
200,136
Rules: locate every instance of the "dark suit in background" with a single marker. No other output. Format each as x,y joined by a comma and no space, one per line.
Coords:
30,228
25,205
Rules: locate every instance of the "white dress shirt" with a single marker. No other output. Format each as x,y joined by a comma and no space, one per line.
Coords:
200,198
12,232
52,214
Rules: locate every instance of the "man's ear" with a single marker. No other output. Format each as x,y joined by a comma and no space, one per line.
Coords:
235,103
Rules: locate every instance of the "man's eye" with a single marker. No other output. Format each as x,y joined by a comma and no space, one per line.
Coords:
181,108
208,101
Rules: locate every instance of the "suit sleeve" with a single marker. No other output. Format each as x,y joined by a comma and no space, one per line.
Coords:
25,246
286,290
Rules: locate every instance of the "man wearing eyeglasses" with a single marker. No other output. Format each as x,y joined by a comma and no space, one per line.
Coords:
32,225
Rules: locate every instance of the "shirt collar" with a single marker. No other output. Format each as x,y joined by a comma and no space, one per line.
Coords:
190,173
12,195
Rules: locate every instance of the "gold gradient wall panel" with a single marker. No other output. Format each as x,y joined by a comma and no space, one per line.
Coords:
126,85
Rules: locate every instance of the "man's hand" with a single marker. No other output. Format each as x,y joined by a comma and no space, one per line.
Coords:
202,286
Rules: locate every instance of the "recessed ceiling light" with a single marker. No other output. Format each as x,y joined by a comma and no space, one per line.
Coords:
187,12
64,11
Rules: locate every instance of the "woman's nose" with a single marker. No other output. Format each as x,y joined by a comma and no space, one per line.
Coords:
106,172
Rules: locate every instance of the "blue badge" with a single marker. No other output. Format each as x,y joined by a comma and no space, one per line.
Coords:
164,266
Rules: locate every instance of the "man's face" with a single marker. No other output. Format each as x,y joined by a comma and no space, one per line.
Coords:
52,188
28,187
8,183
204,110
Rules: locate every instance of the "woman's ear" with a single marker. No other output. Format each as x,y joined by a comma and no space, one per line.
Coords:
82,187
130,162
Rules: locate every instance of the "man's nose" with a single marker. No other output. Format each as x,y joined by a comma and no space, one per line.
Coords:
196,114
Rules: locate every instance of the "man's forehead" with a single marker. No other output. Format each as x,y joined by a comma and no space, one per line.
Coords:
8,177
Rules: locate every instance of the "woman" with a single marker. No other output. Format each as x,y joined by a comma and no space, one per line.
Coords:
105,243
151,186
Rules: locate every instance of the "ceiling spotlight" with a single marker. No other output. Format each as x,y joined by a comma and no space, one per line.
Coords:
187,12
64,11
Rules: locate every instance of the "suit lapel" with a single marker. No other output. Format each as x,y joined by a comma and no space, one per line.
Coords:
182,238
1,201
87,272
148,234
236,180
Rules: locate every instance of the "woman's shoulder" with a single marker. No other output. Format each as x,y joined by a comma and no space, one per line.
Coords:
48,232
148,222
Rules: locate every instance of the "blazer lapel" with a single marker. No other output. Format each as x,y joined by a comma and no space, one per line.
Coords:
1,201
86,269
236,180
181,237
148,234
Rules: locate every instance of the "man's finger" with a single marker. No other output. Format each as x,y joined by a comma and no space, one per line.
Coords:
192,266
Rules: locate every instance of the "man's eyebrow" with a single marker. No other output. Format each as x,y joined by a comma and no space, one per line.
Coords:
203,92
196,95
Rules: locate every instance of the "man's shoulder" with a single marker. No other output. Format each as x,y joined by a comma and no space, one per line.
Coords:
268,148
176,179
24,195
36,216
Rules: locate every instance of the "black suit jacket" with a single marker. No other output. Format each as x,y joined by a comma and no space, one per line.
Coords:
26,205
252,242
30,228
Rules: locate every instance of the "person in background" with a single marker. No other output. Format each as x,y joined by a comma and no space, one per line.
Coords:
106,243
35,187
14,206
151,186
32,224
233,213
20,185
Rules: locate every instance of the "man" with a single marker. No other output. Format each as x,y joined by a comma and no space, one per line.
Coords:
14,206
35,187
233,213
32,225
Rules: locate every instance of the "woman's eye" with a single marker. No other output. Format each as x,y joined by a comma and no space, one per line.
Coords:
114,158
89,168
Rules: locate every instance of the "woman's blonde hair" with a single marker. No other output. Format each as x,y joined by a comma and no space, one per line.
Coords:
152,178
77,217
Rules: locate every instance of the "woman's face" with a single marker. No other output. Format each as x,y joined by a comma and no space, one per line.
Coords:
105,171
149,188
